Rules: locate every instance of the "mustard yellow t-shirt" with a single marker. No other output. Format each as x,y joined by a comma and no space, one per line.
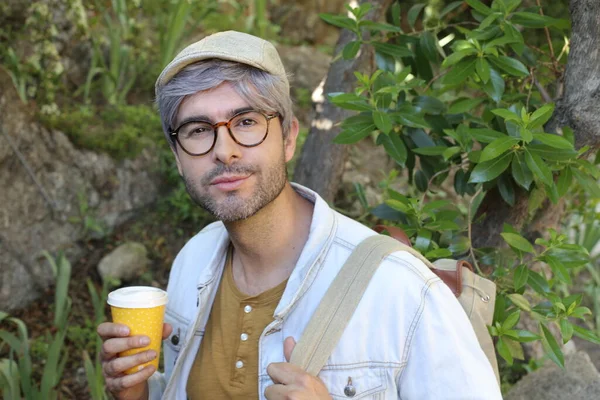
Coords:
226,366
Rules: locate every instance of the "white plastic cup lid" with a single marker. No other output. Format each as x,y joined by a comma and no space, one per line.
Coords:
137,297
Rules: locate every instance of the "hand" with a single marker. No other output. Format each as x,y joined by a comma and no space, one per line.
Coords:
292,382
116,340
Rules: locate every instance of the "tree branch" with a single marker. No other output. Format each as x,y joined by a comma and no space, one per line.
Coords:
321,163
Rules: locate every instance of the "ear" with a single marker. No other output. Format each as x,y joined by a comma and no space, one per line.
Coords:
174,150
290,142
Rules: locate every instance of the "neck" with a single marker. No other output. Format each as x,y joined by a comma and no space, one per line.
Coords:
268,244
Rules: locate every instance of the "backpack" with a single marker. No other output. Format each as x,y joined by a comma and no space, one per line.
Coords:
475,294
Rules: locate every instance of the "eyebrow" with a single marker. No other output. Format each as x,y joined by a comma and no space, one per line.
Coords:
201,117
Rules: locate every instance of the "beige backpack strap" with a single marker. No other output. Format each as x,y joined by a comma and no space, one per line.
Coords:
331,317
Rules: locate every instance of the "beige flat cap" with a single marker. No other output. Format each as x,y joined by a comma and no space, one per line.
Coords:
231,46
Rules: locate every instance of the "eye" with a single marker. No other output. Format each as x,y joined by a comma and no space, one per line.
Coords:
247,122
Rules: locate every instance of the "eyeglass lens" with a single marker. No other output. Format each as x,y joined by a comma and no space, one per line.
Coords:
248,129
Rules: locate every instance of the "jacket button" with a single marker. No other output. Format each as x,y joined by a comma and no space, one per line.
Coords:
175,340
350,390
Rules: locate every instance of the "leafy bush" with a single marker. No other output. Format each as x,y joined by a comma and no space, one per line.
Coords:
122,132
458,106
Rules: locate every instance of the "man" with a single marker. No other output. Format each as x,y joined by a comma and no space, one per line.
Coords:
242,290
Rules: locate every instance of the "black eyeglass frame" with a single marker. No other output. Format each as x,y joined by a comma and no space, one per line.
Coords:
227,124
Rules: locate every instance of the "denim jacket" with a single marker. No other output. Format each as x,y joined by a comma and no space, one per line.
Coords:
409,338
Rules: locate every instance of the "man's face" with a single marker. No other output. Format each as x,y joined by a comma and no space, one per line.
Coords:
233,182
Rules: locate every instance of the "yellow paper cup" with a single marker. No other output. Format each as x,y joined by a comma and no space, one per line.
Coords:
142,309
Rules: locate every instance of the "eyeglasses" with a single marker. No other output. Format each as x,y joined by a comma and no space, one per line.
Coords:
248,129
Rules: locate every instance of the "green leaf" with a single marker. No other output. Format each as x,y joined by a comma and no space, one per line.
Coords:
438,253
398,205
379,26
538,167
459,245
564,181
394,146
460,72
351,50
580,312
350,101
520,301
507,191
483,69
430,151
413,14
510,65
521,172
429,46
538,283
551,347
515,348
550,153
555,141
340,21
586,334
532,20
450,152
479,6
421,181
587,182
540,116
511,320
460,182
450,7
559,270
457,56
525,134
382,120
518,242
485,135
495,86
412,120
527,336
506,114
464,105
566,330
355,128
487,21
489,170
392,50
504,351
428,104
442,226
497,148
521,275
423,240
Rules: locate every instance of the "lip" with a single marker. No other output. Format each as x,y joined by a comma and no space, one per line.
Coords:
227,183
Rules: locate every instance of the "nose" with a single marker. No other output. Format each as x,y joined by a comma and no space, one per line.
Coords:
226,150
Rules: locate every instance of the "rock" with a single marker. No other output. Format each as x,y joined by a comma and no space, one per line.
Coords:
579,378
305,76
300,22
126,262
47,215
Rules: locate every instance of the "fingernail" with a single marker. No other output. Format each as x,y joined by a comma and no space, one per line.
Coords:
145,341
151,355
124,330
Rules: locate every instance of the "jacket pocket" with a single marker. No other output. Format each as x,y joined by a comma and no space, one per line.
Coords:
174,343
360,382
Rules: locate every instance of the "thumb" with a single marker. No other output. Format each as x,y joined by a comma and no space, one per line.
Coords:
288,346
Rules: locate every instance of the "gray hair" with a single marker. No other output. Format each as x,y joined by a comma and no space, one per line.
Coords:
261,90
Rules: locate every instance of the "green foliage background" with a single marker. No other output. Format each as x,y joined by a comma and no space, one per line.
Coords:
455,102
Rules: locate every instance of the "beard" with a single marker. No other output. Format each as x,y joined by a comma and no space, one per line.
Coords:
235,208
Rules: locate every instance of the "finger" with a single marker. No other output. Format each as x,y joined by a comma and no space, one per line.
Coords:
284,373
121,364
288,346
108,330
167,330
275,392
118,345
116,385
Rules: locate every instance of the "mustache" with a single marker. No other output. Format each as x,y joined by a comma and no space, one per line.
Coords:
223,169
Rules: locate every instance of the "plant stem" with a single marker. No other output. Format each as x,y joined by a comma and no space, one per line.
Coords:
470,231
